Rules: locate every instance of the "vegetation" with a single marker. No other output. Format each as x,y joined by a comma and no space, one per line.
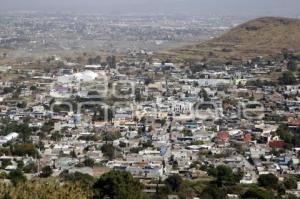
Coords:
16,177
88,162
257,193
118,185
224,175
84,180
23,129
44,189
268,180
174,183
292,65
46,172
204,95
259,37
291,137
109,151
187,132
24,149
287,78
290,182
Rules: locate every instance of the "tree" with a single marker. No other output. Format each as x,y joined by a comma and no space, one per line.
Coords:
96,60
88,162
56,136
33,88
174,182
84,180
20,164
111,61
30,168
22,129
204,95
268,180
46,172
138,95
212,192
287,78
16,177
109,151
5,163
118,185
223,175
290,183
257,193
291,65
187,132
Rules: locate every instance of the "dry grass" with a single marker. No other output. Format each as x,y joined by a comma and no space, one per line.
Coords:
263,36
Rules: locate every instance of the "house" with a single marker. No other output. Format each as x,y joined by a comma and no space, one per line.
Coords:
222,137
278,144
9,137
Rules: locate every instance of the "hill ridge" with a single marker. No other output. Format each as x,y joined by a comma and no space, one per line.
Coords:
265,36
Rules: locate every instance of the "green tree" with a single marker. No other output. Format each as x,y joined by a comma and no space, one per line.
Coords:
212,192
187,132
23,130
84,180
109,151
204,95
118,185
292,65
223,175
290,182
30,168
16,177
111,61
88,162
257,193
46,172
174,182
5,163
287,78
267,180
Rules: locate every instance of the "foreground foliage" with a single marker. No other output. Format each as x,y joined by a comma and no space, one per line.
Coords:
44,189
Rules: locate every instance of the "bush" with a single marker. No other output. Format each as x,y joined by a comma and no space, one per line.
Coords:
257,193
174,182
16,177
46,172
287,78
118,185
84,180
290,183
30,168
109,151
223,175
268,180
25,149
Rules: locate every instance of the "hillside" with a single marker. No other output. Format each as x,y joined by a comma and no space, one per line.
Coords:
262,36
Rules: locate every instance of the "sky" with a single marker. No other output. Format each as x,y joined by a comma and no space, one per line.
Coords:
193,7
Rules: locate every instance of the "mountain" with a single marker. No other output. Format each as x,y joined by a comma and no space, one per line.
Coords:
266,36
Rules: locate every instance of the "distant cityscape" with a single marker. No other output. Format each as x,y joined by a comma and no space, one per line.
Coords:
36,34
97,106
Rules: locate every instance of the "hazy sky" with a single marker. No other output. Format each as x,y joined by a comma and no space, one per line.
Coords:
200,7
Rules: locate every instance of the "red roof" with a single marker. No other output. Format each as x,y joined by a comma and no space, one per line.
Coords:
247,137
276,144
223,136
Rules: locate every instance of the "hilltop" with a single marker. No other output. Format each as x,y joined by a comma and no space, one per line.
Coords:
266,36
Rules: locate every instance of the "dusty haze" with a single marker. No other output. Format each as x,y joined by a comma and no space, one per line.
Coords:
195,7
